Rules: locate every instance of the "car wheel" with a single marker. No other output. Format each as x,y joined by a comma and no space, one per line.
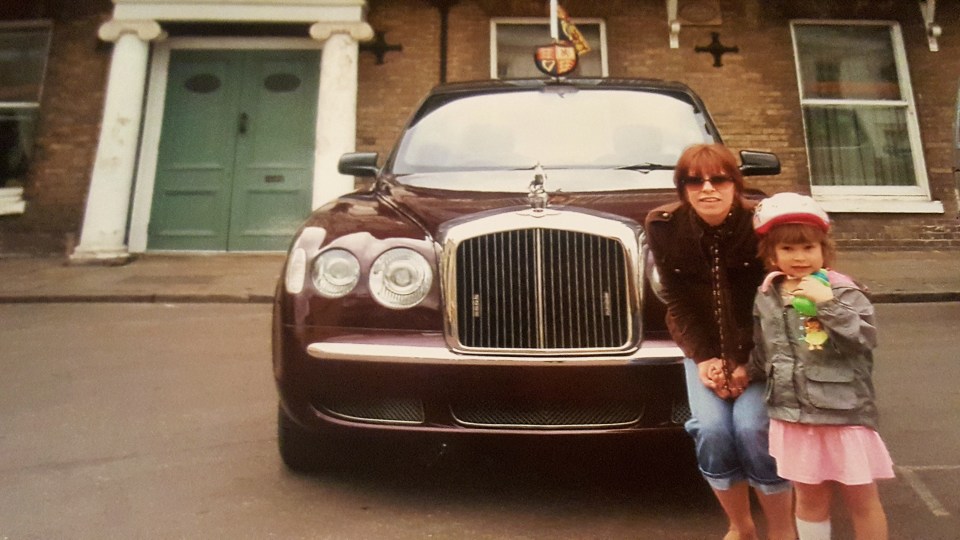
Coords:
301,450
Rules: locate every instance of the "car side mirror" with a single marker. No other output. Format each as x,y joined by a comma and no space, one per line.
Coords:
358,164
758,163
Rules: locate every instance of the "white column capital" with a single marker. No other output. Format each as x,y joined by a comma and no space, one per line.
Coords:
359,31
145,29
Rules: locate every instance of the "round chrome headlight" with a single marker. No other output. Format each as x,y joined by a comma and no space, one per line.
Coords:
335,273
400,278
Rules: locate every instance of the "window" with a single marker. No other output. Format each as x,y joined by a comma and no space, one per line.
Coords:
514,41
862,136
23,57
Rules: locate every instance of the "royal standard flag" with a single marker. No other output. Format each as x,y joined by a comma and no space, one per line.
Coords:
571,32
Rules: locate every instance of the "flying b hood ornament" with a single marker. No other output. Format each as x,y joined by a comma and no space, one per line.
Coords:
538,194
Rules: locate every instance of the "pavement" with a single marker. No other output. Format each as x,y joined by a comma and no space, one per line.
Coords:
891,276
193,278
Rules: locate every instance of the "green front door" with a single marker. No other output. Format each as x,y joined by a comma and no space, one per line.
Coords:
235,165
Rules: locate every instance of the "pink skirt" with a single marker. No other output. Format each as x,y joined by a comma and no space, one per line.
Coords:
812,454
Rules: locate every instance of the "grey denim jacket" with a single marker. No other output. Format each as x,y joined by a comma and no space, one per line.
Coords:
826,384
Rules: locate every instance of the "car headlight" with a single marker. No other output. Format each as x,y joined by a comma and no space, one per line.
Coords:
296,271
335,273
400,278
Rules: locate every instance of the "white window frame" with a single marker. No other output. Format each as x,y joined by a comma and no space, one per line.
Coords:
11,198
864,198
544,21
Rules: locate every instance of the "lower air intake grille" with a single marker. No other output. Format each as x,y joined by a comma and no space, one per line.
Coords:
680,412
494,415
391,411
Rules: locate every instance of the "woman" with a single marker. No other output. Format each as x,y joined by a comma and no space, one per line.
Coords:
706,252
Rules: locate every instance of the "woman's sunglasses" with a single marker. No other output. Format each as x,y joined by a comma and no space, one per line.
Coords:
715,181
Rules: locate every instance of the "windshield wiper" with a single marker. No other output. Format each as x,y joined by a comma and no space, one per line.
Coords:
646,167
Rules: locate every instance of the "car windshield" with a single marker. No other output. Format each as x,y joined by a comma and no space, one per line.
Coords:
556,127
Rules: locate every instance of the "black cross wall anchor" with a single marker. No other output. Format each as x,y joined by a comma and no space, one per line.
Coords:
716,49
379,46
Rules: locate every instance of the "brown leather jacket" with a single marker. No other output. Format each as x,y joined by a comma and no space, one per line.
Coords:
710,276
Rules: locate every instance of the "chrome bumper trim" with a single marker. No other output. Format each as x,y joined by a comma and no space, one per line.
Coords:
650,352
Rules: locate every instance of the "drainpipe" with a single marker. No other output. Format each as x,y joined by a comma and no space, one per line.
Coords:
443,6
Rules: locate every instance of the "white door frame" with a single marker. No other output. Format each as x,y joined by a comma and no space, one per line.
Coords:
153,116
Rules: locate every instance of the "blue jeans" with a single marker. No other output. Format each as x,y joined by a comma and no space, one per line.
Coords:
731,436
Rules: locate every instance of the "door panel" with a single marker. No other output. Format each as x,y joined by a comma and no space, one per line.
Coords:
191,201
235,165
274,166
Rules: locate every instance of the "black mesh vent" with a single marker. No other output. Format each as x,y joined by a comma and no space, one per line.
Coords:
557,416
376,410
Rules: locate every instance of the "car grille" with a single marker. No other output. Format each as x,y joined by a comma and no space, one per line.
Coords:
680,412
493,414
542,289
386,411
498,415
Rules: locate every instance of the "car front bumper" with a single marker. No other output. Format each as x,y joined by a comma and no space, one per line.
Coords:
393,381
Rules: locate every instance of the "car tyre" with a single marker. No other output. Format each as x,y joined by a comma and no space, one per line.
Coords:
300,449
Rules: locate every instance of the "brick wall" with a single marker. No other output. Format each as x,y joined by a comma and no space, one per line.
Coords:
469,42
70,112
389,91
753,97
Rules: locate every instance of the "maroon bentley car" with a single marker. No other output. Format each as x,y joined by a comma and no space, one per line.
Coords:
495,278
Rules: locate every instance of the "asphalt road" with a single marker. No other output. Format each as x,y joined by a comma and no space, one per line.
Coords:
158,421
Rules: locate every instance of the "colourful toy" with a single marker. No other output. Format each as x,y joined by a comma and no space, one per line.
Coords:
804,305
814,334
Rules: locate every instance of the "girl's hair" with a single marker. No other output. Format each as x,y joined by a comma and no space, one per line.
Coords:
705,159
794,233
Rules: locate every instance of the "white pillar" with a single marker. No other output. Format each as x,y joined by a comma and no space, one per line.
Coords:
108,201
336,131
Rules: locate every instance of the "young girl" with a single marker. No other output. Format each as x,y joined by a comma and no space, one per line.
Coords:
814,333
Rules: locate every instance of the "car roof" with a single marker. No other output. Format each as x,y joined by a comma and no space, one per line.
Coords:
506,84
446,92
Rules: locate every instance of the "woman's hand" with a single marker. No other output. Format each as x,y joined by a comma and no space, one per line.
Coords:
713,377
739,379
711,373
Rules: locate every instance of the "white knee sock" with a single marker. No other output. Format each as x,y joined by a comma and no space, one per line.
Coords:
813,530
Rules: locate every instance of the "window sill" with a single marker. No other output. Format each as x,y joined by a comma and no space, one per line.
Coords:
882,207
11,201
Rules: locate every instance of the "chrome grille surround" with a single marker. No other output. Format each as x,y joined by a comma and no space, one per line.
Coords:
542,283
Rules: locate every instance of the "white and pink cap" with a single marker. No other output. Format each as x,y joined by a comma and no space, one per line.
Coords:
789,208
